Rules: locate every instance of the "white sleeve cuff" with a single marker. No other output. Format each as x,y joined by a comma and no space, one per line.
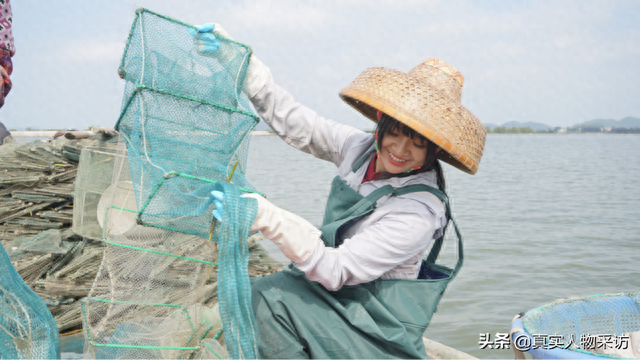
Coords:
311,261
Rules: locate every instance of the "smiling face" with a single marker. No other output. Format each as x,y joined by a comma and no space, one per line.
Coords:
401,150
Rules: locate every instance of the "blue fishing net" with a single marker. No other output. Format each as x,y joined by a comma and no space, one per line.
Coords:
160,54
27,328
234,289
185,127
574,318
185,119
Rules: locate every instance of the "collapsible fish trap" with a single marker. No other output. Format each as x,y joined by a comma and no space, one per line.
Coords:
598,326
95,171
184,131
177,152
27,328
185,121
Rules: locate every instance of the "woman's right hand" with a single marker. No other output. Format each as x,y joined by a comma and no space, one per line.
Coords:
204,39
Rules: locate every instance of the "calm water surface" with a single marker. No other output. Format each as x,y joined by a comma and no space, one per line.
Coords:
545,217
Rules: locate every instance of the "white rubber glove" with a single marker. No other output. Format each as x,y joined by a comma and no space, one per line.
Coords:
295,236
257,74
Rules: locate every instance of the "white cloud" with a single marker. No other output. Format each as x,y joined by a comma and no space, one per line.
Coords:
537,59
93,52
288,15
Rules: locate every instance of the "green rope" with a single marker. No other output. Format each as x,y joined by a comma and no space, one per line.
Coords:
136,303
126,48
215,353
229,109
106,212
185,24
206,332
153,193
202,166
177,174
139,88
185,125
124,209
162,219
193,327
185,231
157,252
122,113
86,322
211,181
143,347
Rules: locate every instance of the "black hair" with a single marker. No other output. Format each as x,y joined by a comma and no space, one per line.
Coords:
387,124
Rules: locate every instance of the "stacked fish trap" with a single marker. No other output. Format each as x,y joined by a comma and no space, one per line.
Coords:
36,197
27,328
184,128
94,175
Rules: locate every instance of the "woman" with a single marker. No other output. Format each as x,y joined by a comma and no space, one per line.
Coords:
359,287
6,52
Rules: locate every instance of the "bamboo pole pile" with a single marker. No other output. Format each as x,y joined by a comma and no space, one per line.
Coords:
36,213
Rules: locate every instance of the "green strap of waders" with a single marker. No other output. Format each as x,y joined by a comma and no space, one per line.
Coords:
382,191
437,245
357,164
366,202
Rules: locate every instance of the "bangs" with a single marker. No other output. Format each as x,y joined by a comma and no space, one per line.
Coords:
405,130
387,124
399,127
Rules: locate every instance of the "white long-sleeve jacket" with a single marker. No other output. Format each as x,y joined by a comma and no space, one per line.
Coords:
388,243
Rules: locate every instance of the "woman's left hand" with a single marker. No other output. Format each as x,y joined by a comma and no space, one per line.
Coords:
295,236
218,198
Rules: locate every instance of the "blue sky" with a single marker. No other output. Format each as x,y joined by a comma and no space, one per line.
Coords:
555,62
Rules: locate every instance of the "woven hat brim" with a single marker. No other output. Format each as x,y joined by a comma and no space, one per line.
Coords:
458,132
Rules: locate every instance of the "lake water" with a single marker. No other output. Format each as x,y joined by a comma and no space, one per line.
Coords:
546,217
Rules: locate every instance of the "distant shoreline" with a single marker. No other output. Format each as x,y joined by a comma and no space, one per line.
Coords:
44,134
33,133
51,133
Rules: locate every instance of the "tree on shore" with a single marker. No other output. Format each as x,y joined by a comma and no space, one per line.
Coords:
512,130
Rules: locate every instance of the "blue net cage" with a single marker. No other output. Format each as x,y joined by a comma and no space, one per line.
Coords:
597,326
186,122
27,328
185,127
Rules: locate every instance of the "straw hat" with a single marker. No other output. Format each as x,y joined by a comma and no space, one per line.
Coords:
427,99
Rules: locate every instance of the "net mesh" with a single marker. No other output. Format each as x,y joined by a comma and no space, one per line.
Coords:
47,242
177,152
184,131
160,54
27,328
607,314
235,291
94,174
185,120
